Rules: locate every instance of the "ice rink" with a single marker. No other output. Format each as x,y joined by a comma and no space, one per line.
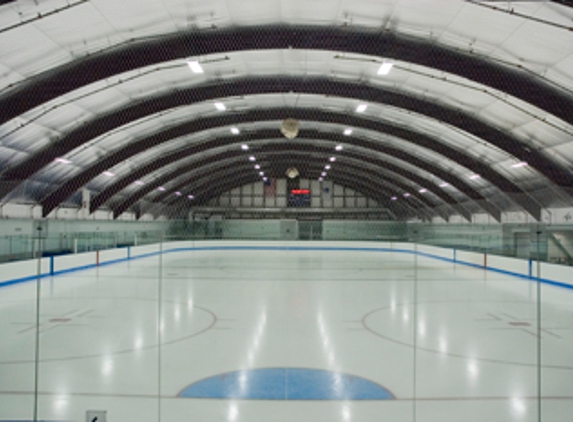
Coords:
277,333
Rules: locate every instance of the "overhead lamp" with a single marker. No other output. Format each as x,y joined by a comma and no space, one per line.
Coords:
195,66
474,176
178,193
257,167
245,147
332,159
108,173
385,68
423,190
339,147
406,195
348,132
235,130
62,160
261,173
290,128
520,164
323,174
220,106
190,197
252,158
139,182
327,167
443,185
394,198
265,179
161,188
320,179
361,108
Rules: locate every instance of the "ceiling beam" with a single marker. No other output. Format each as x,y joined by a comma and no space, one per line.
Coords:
199,156
149,51
411,138
271,153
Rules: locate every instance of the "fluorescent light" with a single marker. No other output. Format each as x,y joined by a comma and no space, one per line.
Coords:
257,167
139,182
327,167
320,179
252,158
332,159
423,190
261,173
520,164
361,108
235,130
385,68
265,179
195,66
443,185
108,173
348,132
394,198
406,195
220,106
161,188
190,197
339,147
323,174
62,160
178,193
474,176
245,147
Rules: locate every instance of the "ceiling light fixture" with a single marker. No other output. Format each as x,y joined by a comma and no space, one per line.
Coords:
443,185
361,108
257,167
62,160
161,188
406,195
220,106
139,182
385,68
245,147
252,158
348,132
190,197
235,131
332,159
520,164
323,174
108,173
261,173
394,198
474,176
339,147
320,179
327,167
423,190
195,66
178,193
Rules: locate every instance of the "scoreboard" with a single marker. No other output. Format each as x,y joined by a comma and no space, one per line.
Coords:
299,198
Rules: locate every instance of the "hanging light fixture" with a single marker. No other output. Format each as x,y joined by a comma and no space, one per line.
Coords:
290,128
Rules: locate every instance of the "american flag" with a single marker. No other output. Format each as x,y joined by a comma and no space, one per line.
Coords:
271,188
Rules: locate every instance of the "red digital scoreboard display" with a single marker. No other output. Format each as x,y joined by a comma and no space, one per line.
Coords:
299,198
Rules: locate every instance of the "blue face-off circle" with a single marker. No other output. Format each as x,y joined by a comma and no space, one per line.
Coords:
286,384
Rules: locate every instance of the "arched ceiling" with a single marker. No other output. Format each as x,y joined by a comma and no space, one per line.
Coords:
476,112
